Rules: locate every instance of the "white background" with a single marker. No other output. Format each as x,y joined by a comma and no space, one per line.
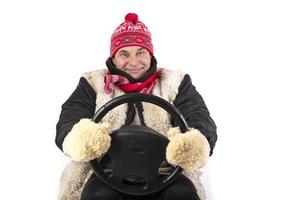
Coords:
243,57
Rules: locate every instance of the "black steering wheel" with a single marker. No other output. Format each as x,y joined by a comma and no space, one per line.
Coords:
137,152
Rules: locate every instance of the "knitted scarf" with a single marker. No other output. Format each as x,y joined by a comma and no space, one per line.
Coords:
113,81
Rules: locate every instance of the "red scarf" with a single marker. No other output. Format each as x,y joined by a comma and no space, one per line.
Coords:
113,81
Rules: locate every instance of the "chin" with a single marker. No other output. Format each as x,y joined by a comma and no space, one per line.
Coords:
136,76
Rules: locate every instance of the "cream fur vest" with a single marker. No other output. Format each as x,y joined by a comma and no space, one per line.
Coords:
76,174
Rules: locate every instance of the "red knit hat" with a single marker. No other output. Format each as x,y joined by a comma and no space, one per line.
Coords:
132,32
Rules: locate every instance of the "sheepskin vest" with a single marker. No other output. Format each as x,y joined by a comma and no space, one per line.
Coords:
76,174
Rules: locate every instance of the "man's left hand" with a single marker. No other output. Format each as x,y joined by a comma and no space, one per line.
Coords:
189,150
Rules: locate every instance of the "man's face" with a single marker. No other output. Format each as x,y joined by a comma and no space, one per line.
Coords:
134,60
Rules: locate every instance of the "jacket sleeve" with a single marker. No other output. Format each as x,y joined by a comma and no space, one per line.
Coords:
81,104
192,106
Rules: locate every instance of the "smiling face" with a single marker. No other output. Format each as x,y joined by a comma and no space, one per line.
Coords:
134,60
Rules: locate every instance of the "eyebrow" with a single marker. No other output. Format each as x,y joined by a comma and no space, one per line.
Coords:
123,51
140,49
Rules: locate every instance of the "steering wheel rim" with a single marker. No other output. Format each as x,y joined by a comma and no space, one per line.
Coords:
131,98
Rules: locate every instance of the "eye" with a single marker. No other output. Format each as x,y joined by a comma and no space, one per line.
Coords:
123,55
140,53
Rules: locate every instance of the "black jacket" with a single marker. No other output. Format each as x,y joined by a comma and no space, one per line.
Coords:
82,104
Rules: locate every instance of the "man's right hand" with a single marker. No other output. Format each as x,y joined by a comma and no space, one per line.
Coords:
87,140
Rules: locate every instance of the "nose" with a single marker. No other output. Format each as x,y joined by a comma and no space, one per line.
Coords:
133,60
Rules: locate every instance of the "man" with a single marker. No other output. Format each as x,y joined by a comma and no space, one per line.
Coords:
132,68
